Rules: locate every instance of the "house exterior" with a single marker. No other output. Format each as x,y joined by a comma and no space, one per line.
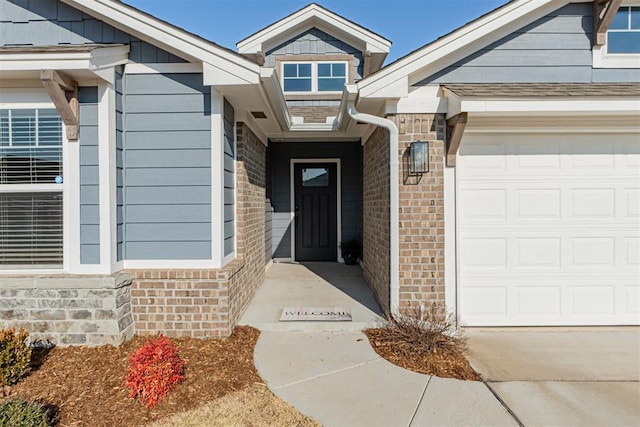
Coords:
148,176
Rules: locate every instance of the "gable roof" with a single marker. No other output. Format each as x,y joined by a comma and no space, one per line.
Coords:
394,80
228,66
310,16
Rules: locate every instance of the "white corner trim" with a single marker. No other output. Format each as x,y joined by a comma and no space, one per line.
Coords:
217,178
450,250
70,202
602,59
292,187
163,68
107,173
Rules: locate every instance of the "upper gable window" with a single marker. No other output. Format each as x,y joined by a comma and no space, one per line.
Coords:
313,77
624,32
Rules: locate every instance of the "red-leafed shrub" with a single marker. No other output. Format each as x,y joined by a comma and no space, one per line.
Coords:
154,370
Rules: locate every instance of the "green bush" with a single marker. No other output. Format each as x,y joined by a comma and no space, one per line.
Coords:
15,356
20,413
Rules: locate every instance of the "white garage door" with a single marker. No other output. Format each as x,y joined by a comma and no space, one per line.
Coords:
549,229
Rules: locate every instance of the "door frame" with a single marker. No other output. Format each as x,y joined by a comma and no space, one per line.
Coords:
292,192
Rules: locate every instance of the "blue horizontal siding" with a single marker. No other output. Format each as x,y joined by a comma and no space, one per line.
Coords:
89,176
554,49
52,22
229,178
167,167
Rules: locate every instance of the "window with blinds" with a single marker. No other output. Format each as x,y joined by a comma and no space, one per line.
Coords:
30,192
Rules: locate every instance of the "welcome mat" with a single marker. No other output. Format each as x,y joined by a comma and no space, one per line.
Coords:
315,314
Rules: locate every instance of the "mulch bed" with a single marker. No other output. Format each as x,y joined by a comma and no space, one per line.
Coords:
446,361
87,385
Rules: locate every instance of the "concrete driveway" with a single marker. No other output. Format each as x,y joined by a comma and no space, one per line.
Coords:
562,377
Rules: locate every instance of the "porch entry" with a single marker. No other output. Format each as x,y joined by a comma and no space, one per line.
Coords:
315,205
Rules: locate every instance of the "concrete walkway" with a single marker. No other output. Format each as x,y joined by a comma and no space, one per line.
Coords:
337,379
562,376
533,377
313,284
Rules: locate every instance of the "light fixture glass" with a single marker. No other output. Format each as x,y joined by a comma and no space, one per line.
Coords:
419,157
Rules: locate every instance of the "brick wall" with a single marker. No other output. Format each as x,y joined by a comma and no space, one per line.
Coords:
375,221
191,303
68,310
251,178
208,303
421,212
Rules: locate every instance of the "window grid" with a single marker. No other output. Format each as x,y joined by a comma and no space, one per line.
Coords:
320,83
31,199
624,37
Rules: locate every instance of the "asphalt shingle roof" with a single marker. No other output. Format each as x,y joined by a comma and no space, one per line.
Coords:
520,90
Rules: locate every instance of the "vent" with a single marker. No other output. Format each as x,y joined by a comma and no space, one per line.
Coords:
258,115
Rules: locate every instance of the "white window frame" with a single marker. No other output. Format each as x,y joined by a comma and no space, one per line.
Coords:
63,188
603,59
314,76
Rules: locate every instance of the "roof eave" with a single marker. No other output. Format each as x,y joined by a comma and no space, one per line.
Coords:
398,76
236,67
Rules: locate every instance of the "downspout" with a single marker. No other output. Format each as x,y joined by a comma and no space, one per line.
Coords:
394,202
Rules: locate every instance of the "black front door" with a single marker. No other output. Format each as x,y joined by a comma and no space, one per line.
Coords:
315,211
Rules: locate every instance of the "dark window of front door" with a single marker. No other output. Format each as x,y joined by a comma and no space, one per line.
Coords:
316,219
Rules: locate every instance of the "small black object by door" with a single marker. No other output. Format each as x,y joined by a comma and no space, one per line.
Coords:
316,219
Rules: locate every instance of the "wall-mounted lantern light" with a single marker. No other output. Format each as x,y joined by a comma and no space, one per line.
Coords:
419,157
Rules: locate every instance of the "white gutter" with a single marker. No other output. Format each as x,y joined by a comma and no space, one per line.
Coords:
351,92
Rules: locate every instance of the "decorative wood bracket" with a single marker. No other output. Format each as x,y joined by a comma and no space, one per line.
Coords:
455,130
603,13
64,94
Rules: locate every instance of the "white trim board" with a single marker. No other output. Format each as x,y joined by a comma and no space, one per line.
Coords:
314,15
150,68
292,164
217,178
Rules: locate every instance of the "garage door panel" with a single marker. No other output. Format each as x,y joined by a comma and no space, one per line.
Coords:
553,237
592,252
534,155
485,302
538,203
630,303
631,251
483,203
486,156
538,301
629,154
592,202
538,252
594,154
484,253
632,205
